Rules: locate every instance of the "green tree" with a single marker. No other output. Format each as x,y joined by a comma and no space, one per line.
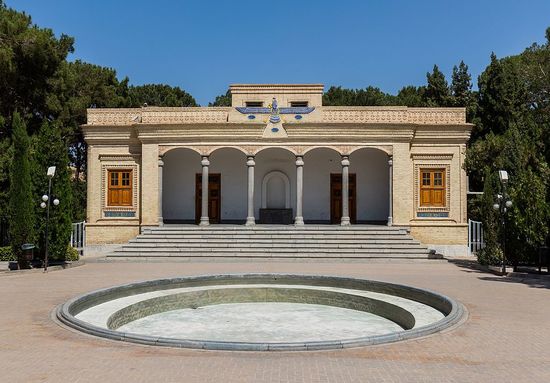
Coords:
29,57
370,96
50,150
222,100
21,198
411,96
76,87
159,95
437,91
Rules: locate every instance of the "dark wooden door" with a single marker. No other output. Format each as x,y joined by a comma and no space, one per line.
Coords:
336,198
214,197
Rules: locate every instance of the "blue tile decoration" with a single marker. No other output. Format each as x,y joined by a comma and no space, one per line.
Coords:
274,118
425,214
118,214
298,116
274,130
251,116
289,110
297,110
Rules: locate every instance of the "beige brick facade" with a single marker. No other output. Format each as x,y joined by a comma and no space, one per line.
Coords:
413,138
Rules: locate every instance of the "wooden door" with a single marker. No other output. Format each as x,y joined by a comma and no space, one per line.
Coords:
336,198
214,197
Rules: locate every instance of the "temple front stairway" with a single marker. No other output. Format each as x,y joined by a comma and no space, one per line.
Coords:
275,241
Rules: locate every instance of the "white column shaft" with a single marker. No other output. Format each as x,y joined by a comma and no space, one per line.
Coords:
250,219
345,191
205,221
160,169
299,220
390,210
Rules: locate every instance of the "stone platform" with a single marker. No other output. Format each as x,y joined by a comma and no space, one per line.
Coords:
275,241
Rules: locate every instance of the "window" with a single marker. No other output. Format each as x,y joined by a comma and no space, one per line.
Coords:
298,104
119,188
432,188
254,104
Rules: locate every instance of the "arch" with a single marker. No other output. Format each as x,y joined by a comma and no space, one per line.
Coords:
328,147
388,150
272,177
211,151
181,164
370,164
285,148
163,151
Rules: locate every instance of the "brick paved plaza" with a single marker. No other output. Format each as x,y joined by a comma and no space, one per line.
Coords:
506,337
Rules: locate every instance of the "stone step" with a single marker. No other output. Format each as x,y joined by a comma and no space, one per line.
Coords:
271,245
273,235
278,249
274,241
408,241
311,255
306,227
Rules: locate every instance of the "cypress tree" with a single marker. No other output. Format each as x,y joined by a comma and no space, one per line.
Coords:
437,91
51,150
21,198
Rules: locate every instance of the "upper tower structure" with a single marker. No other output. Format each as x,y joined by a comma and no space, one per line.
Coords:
287,95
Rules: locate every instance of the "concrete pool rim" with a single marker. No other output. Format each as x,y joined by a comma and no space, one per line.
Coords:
452,310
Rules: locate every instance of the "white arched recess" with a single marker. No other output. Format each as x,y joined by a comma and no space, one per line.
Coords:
274,161
372,169
276,191
231,164
318,166
178,185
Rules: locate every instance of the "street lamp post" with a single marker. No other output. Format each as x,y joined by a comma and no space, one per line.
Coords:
502,205
46,204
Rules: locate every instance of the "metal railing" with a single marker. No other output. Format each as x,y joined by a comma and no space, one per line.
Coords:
475,236
78,235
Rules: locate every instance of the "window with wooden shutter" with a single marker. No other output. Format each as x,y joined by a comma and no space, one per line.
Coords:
119,188
432,188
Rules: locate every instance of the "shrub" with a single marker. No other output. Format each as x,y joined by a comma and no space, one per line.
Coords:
490,256
6,254
72,254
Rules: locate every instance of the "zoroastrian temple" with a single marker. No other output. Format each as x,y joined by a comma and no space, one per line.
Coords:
277,156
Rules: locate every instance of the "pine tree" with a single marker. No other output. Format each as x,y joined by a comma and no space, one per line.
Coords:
21,198
51,150
461,85
437,91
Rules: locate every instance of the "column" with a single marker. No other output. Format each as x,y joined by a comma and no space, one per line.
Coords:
299,220
160,165
204,196
390,210
345,191
250,220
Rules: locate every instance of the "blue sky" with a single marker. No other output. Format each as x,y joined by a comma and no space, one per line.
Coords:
203,46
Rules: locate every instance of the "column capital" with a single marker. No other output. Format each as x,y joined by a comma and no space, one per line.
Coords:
161,161
250,161
390,160
345,161
299,160
204,161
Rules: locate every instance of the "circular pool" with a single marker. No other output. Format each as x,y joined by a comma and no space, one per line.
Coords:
261,312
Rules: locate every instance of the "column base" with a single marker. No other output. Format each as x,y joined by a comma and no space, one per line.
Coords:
205,221
390,221
161,221
345,221
250,221
299,221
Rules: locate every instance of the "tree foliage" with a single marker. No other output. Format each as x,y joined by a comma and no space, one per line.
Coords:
511,133
158,95
222,100
21,198
54,153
